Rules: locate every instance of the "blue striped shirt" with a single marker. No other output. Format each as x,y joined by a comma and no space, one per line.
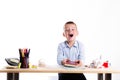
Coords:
76,52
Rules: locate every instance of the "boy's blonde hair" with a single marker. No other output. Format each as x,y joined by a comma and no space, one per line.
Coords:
70,22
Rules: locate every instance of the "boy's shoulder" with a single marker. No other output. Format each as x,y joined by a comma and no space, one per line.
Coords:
62,43
78,43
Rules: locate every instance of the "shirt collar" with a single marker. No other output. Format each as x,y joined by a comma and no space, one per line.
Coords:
74,45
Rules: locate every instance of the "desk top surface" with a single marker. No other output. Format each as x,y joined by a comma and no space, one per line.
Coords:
60,69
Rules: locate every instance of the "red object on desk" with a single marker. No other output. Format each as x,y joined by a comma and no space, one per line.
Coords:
105,64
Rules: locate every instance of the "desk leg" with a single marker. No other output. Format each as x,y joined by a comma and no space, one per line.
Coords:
108,76
12,76
100,76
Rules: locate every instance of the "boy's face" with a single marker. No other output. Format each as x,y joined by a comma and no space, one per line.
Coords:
70,32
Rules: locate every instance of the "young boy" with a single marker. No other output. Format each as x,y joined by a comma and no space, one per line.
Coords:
70,50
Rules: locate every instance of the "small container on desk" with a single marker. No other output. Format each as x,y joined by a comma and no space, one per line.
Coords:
24,57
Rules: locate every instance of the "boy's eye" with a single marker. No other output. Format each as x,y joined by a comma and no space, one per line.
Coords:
67,30
73,29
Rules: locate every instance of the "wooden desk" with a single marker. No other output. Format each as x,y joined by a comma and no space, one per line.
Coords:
13,74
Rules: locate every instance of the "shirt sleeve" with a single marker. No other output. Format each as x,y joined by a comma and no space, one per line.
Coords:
60,54
81,52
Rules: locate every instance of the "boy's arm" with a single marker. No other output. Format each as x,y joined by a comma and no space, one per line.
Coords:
81,56
60,55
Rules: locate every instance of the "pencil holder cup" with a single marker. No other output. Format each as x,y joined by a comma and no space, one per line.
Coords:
24,62
24,58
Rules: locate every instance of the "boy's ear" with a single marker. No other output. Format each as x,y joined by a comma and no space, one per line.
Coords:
63,34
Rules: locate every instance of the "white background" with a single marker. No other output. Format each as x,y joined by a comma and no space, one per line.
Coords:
38,25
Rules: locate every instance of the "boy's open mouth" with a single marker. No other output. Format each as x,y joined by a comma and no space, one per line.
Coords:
71,35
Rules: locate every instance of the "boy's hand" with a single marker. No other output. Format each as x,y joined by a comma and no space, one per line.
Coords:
75,63
65,61
78,62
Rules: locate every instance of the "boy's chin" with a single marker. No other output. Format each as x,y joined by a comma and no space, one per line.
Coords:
71,39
